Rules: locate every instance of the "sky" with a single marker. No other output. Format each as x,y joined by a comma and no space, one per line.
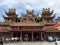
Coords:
22,5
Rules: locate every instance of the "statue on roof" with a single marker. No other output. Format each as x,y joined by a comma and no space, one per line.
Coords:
30,11
11,12
47,11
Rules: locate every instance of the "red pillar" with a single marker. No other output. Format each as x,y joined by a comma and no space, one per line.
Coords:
21,36
11,34
41,36
1,34
32,36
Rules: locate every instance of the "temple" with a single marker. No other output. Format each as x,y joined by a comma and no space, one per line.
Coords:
29,26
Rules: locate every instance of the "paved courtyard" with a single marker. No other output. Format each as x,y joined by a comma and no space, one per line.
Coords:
31,43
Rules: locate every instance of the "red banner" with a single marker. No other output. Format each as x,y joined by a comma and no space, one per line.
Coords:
53,26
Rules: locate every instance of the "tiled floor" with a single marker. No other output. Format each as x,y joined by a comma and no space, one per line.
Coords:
31,43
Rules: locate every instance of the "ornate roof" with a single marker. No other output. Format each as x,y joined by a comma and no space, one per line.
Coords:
47,12
11,12
26,24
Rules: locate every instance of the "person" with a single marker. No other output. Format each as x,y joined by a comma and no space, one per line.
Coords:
12,39
16,39
56,38
1,42
20,39
26,38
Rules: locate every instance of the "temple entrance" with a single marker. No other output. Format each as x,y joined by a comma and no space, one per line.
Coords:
36,36
16,34
27,36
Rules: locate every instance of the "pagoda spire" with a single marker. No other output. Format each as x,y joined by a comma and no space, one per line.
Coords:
11,15
11,12
47,11
47,15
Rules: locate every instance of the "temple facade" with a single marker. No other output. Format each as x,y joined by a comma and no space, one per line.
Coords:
28,27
